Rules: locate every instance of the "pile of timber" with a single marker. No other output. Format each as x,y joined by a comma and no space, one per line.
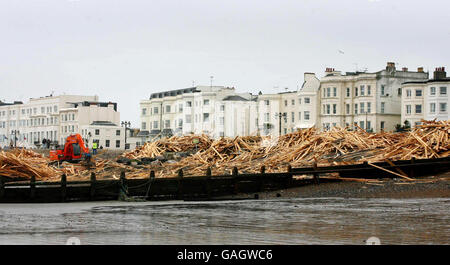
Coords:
21,164
337,146
172,144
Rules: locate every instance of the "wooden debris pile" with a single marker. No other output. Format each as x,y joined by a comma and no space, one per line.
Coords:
22,164
172,144
303,148
429,140
337,146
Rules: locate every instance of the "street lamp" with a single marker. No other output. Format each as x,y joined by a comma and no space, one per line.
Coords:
126,124
15,132
280,115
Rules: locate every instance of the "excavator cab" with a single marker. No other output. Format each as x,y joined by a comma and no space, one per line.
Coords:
74,150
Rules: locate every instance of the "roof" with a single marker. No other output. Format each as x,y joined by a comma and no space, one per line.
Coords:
103,123
428,81
234,98
97,103
174,92
14,103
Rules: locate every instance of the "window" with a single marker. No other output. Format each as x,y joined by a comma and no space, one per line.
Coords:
222,134
369,106
418,92
361,107
368,91
362,90
418,108
222,107
328,92
299,115
408,93
347,92
144,111
382,90
293,116
361,124
369,125
117,143
266,102
205,117
382,125
443,90
117,132
306,115
299,101
432,91
266,117
167,108
432,107
408,109
180,123
307,101
155,110
180,107
347,108
167,124
206,102
356,91
285,102
293,102
328,108
221,120
188,104
442,107
42,109
356,108
106,143
188,118
55,108
382,107
97,131
334,108
334,92
155,124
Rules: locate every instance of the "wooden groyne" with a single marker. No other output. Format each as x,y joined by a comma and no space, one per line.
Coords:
208,186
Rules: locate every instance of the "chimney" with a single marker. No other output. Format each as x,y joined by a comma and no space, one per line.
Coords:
329,70
420,69
405,69
390,66
440,73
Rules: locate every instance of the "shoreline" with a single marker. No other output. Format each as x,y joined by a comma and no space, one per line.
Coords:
425,187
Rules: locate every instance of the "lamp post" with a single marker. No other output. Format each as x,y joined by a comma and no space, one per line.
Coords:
280,115
15,132
126,124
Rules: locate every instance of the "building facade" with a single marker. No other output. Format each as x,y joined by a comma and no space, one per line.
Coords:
371,101
220,111
53,118
426,100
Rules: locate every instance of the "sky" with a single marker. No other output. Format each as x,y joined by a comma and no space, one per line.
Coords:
124,50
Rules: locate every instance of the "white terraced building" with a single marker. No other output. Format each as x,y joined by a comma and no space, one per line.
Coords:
220,111
370,100
426,100
55,117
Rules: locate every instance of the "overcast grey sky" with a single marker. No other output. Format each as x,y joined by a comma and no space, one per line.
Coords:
123,50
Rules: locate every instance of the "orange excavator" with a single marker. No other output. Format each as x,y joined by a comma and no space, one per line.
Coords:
74,150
